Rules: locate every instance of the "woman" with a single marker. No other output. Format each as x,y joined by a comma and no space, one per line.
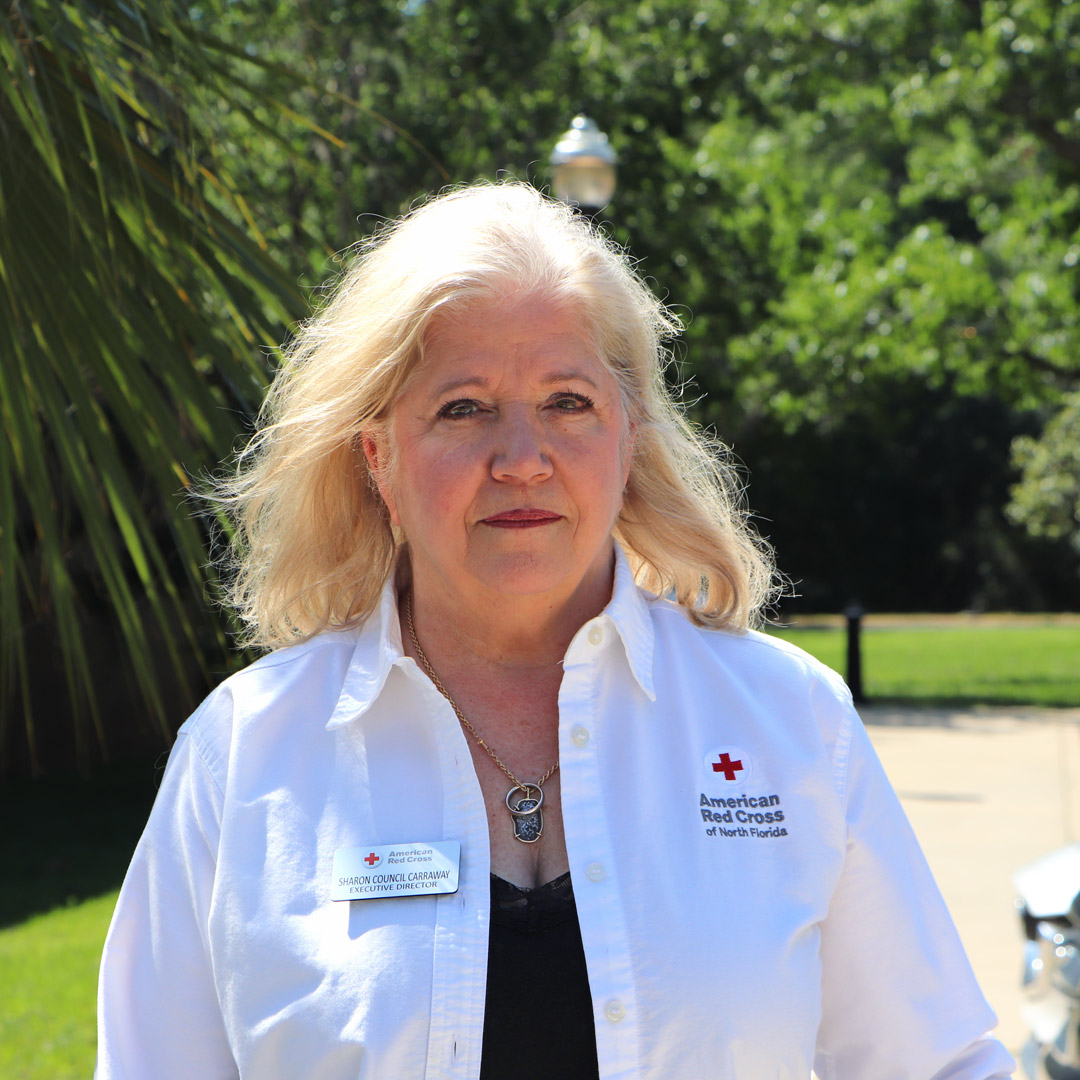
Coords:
517,793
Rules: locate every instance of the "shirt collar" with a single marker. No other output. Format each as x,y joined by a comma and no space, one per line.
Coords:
379,647
628,612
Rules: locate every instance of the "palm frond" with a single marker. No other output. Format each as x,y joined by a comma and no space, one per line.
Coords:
133,313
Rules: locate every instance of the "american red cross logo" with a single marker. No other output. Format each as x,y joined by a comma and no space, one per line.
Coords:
728,767
372,859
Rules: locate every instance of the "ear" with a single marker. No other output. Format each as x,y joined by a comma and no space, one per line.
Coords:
377,454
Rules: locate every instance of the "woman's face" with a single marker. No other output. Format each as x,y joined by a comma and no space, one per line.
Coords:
509,453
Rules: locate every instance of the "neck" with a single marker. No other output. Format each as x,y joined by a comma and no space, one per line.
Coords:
498,631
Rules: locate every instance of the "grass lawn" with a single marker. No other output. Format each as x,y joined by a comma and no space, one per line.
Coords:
63,852
940,662
48,991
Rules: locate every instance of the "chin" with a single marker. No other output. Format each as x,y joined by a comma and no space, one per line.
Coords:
528,575
556,573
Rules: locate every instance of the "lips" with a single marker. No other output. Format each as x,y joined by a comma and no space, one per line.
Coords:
521,518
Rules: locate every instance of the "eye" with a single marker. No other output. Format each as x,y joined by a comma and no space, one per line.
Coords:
568,401
459,409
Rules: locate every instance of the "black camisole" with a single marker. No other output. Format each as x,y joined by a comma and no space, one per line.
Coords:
538,1020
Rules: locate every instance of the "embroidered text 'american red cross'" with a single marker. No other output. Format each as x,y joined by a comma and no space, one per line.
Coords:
728,767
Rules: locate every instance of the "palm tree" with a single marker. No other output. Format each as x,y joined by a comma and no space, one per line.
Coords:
136,298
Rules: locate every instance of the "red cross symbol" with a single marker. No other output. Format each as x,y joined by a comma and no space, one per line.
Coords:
728,767
373,859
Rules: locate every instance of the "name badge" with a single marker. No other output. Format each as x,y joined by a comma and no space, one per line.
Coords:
367,873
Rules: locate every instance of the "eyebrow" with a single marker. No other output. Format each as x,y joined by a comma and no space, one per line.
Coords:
482,383
567,376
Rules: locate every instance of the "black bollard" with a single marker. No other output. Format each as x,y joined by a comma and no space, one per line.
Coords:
854,614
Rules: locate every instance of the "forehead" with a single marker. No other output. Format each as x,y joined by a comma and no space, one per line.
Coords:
527,332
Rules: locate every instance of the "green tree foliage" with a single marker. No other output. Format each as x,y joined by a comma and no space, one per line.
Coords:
1047,498
940,186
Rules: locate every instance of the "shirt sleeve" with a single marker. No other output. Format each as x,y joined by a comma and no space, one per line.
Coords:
899,998
158,1009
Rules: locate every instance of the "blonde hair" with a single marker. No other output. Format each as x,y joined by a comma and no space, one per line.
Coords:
313,544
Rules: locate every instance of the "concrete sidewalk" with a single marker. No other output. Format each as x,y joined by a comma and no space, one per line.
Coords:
987,790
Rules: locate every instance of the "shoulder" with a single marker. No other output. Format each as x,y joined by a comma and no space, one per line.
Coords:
755,655
777,687
301,681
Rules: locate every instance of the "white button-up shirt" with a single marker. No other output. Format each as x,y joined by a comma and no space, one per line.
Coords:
752,900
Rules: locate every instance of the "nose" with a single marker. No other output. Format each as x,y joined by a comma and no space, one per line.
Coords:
520,454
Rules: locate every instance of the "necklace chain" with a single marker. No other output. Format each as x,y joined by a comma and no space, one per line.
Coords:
426,664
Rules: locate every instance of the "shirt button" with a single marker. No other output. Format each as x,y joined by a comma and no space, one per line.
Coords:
580,735
596,635
614,1011
595,871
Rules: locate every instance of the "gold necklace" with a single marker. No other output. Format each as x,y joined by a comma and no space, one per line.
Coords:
525,809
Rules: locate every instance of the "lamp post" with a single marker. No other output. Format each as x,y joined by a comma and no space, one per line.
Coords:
583,167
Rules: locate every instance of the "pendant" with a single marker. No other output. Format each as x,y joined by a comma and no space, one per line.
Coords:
526,813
